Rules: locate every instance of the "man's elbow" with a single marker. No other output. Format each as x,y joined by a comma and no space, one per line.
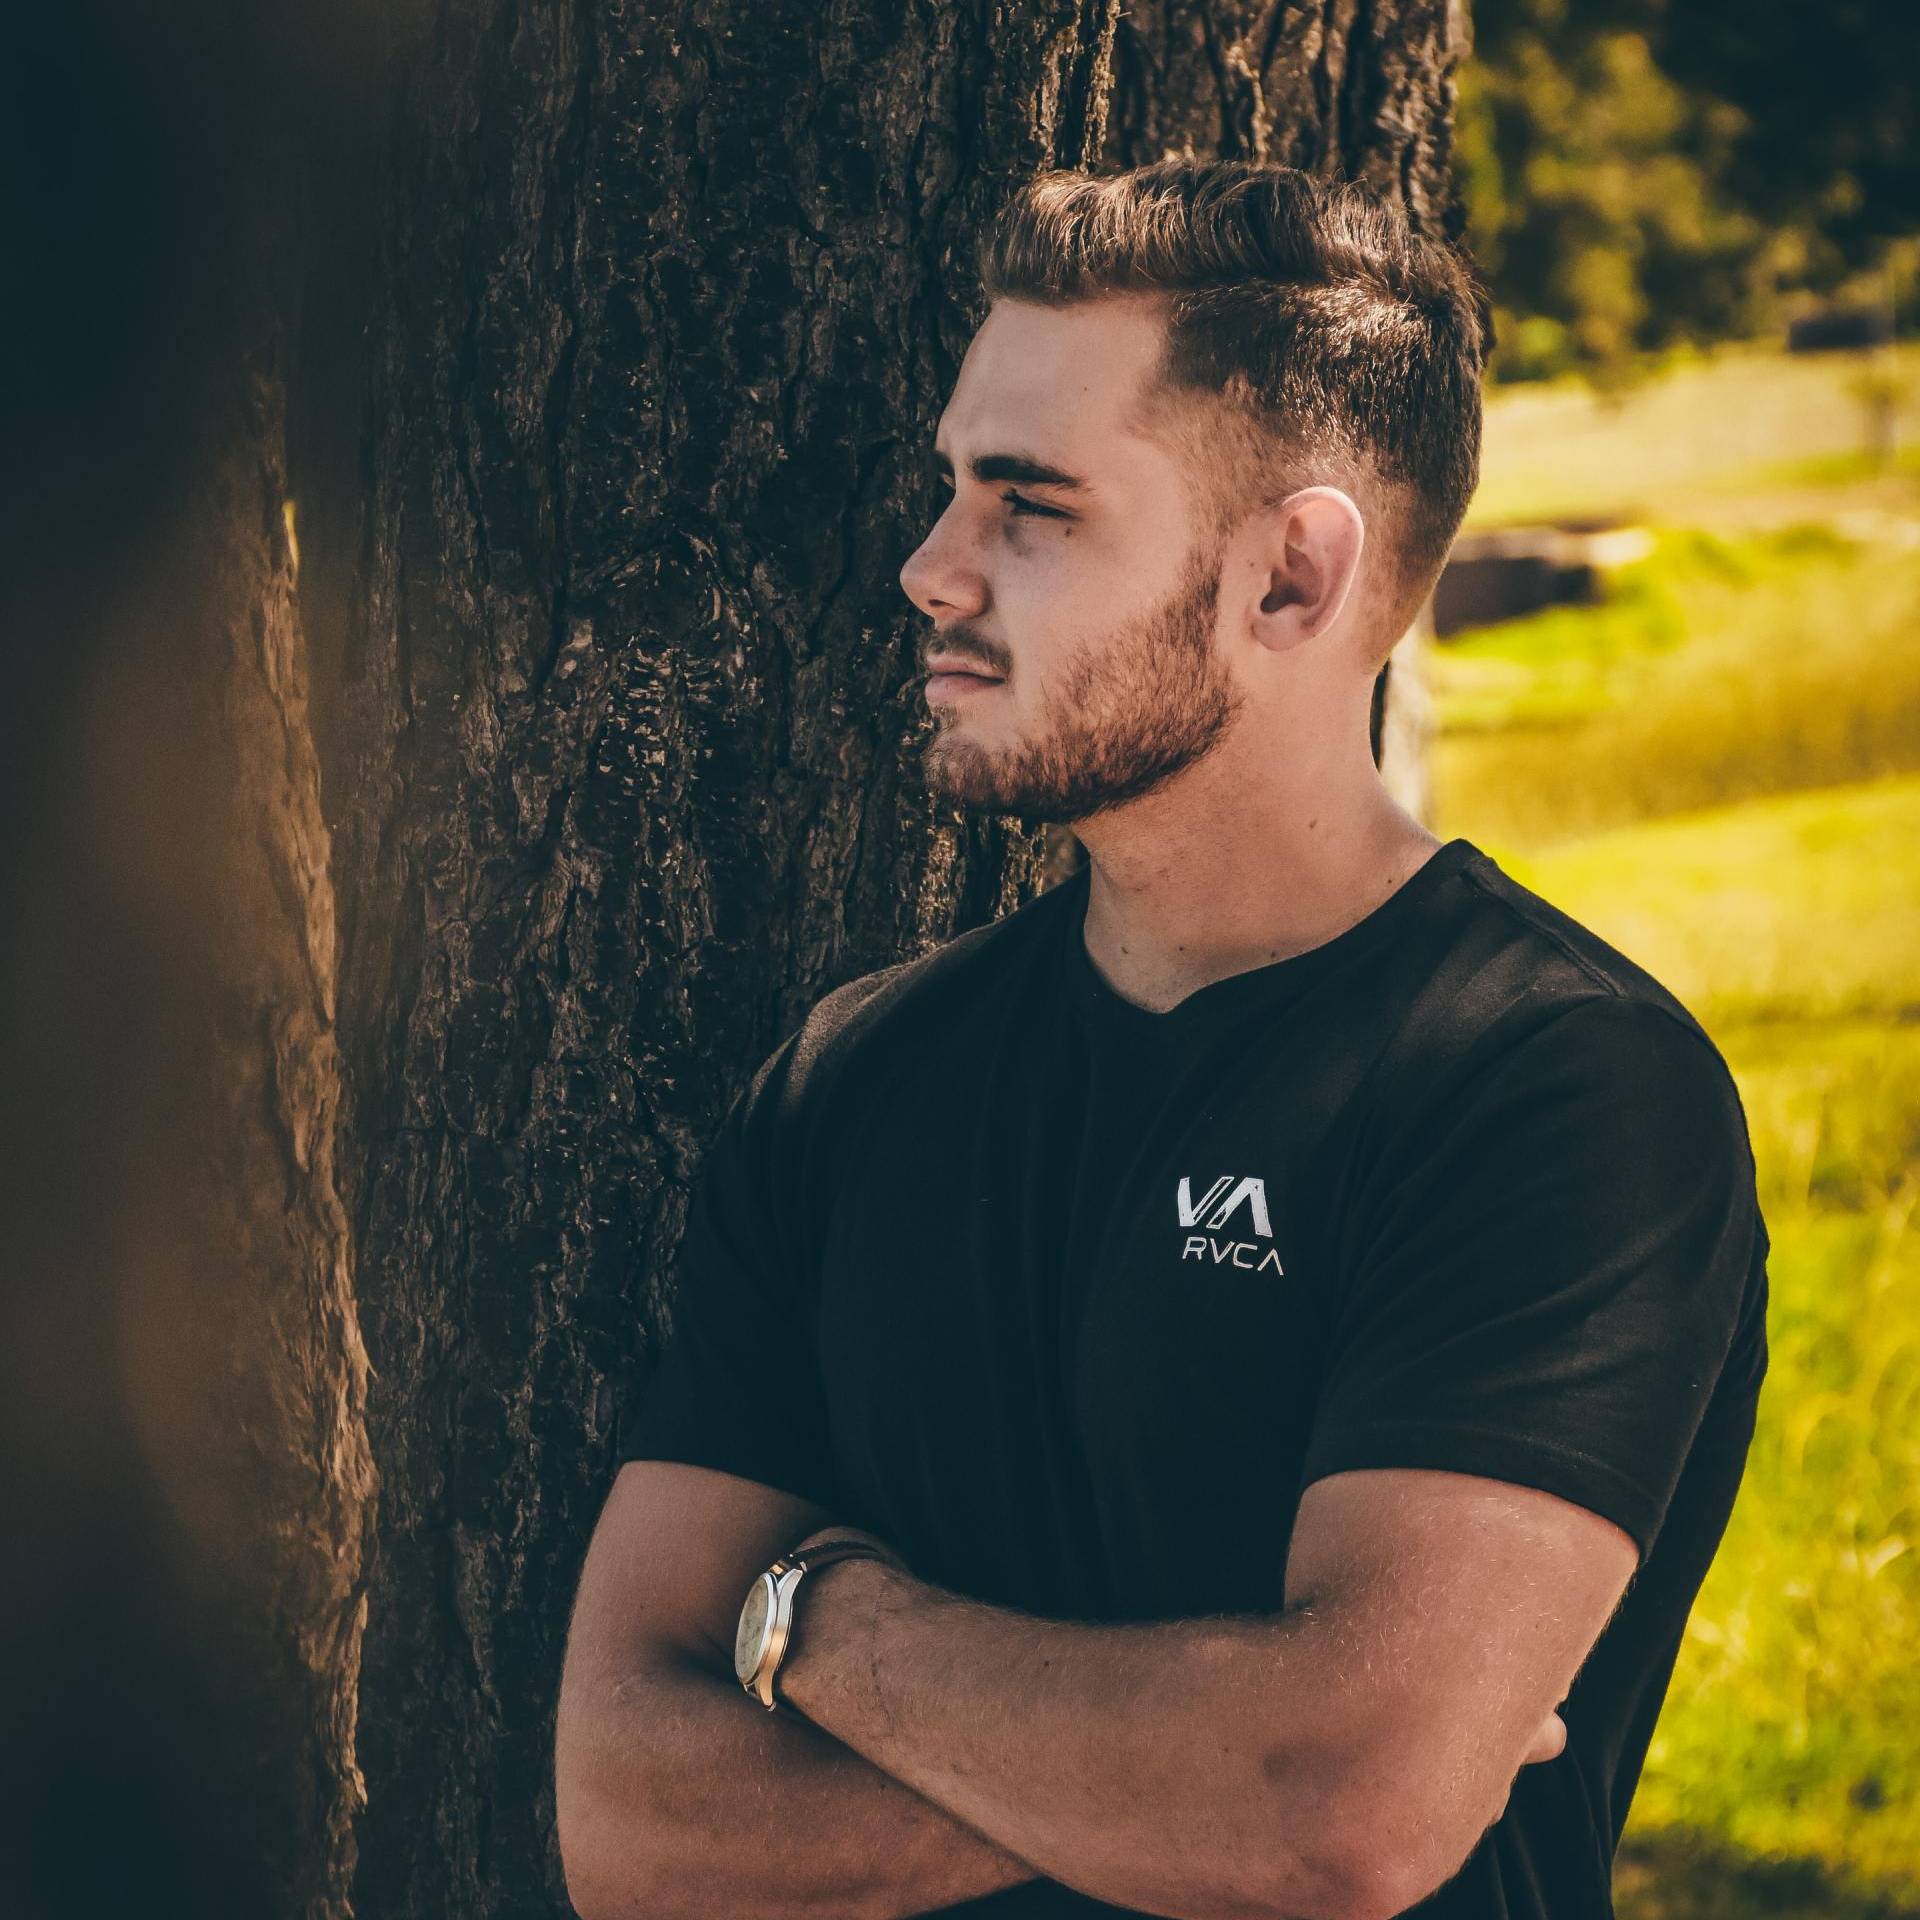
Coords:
601,1859
1388,1847
580,1829
607,1875
590,1896
1375,1886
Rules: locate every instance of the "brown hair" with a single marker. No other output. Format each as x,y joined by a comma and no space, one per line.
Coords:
1312,337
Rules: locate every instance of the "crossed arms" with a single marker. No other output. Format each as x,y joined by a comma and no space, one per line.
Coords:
1335,1761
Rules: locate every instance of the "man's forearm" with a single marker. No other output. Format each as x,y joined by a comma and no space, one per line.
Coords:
703,1803
1135,1762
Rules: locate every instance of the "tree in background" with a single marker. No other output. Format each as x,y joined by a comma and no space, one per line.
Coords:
1828,103
1642,173
626,712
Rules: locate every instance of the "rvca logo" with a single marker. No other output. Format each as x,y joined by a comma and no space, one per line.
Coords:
1214,1209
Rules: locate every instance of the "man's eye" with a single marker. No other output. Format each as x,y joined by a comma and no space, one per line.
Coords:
1018,502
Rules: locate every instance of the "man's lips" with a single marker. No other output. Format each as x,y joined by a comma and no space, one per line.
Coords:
951,678
959,663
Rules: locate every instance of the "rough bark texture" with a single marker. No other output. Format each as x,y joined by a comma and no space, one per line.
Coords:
619,725
620,752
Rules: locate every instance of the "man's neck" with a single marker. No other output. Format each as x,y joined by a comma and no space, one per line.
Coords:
1197,894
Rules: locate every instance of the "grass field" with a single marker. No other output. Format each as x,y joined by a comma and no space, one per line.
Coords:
1699,439
1719,771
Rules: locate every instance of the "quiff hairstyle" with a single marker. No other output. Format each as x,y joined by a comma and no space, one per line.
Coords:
1312,338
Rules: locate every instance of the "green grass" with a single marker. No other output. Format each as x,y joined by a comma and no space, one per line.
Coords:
1821,470
1673,1875
1719,771
1789,906
1737,417
1720,669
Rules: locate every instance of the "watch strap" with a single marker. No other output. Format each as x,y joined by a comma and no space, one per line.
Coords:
824,1555
829,1551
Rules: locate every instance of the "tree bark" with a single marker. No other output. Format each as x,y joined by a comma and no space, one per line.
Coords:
624,715
231,1234
599,407
620,751
620,723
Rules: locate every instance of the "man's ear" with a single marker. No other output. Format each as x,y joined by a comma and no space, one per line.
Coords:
1307,567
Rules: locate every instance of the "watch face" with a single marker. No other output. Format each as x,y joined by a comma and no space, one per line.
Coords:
752,1634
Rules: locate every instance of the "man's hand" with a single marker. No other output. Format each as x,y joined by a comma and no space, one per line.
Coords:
1549,1743
1342,1757
679,1797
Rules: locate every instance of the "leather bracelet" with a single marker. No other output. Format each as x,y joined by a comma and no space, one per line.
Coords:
824,1555
794,1555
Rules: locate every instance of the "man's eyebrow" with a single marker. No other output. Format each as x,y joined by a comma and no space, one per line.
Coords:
1013,466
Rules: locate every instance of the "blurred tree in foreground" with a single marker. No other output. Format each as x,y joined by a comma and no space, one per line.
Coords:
1641,173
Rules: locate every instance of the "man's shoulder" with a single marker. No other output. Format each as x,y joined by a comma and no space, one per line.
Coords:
1525,961
1536,1051
865,1015
1571,955
1525,984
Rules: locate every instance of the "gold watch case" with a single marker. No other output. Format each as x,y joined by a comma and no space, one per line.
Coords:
766,1620
766,1616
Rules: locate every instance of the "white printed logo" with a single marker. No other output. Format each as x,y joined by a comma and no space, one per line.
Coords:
1252,1192
1214,1209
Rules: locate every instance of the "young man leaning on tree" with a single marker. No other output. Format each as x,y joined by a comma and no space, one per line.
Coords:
1279,1315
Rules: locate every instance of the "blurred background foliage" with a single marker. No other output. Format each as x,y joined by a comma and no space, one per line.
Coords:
1645,176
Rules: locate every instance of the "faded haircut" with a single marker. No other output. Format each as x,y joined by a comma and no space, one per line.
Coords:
1312,338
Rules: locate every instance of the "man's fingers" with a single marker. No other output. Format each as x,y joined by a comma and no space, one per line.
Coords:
1549,1742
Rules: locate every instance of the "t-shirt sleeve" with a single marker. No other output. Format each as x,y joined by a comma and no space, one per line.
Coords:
1553,1275
736,1384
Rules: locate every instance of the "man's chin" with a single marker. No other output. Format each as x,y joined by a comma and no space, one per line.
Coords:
965,776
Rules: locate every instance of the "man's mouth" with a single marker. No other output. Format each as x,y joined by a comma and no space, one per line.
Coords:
959,663
951,679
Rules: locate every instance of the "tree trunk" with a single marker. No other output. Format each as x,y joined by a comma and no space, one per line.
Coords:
621,728
187,1500
603,402
619,751
231,1226
622,735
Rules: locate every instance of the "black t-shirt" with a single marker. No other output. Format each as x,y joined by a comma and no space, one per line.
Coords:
1071,1299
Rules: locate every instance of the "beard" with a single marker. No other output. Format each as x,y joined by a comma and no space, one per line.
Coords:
1132,711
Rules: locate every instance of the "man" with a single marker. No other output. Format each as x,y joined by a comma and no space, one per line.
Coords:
1283,1310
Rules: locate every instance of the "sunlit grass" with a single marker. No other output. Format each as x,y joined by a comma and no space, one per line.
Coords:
1824,470
1721,669
1720,773
1737,417
1790,906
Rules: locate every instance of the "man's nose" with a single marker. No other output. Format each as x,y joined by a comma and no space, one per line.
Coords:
940,579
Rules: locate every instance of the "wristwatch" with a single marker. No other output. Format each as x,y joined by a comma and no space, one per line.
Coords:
766,1618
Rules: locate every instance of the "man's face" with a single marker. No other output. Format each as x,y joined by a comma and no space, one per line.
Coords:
1091,606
